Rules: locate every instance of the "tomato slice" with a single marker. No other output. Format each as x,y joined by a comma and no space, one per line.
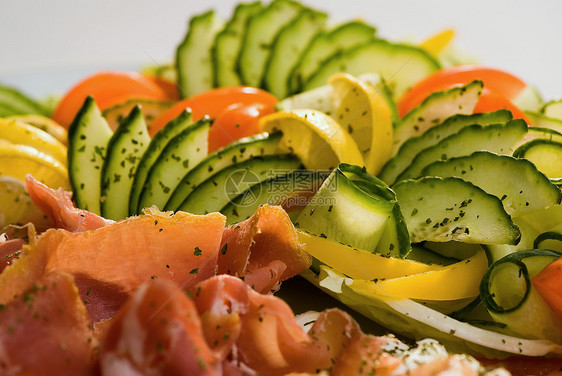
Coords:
213,103
235,122
495,80
108,89
169,87
548,283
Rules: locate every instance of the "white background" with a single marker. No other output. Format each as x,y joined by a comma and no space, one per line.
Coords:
46,45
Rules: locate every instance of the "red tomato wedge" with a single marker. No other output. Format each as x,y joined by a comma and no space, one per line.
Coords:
501,83
237,121
215,103
169,87
108,89
549,284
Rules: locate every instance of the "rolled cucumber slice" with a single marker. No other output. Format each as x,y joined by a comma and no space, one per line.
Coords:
194,55
516,182
497,138
228,43
261,30
180,155
289,44
88,136
238,151
124,152
553,109
511,299
324,46
219,189
152,153
354,208
434,109
432,136
551,239
444,209
400,65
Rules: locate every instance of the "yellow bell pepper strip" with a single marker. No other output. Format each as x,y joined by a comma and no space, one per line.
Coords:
457,281
358,263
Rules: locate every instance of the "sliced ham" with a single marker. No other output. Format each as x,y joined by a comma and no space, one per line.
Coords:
58,206
158,332
249,247
46,331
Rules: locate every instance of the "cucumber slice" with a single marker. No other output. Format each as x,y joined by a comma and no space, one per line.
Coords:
352,207
445,209
124,151
400,65
279,190
326,45
545,154
516,182
218,190
432,136
497,138
193,55
152,153
552,109
14,102
434,109
6,110
543,121
288,46
88,136
551,239
228,43
151,109
238,151
511,299
261,30
180,155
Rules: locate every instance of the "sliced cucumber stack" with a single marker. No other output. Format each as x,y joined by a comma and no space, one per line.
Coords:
289,44
261,30
180,155
497,138
545,154
434,109
238,151
194,55
219,189
413,145
151,155
517,182
88,136
400,65
228,43
326,45
124,152
292,191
